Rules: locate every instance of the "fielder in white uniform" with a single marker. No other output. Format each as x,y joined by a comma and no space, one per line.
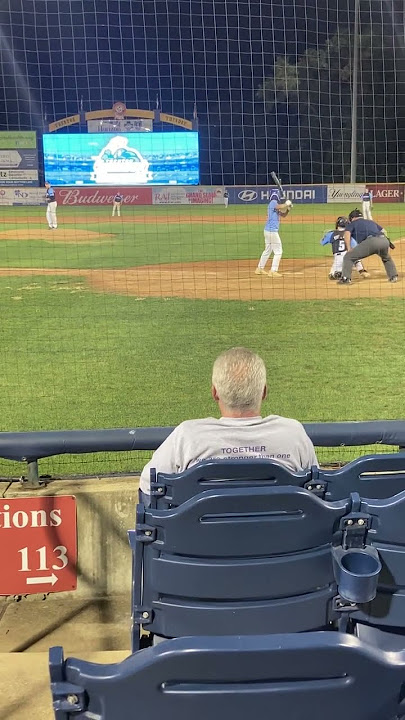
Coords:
52,205
238,387
226,198
272,240
367,204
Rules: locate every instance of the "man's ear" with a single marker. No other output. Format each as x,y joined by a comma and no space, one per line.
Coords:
264,393
214,393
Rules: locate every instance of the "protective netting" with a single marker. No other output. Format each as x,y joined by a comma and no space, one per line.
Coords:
270,81
114,319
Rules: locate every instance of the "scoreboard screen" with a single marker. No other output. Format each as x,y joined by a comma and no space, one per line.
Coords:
138,158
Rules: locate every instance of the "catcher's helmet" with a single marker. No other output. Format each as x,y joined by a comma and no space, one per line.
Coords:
341,222
356,213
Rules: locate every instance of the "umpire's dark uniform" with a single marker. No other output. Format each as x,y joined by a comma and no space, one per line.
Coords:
370,241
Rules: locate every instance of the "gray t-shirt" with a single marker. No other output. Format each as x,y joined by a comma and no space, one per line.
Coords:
273,438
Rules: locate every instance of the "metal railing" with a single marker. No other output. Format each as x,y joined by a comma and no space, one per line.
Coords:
30,447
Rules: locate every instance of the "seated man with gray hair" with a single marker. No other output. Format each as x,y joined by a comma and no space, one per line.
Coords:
238,387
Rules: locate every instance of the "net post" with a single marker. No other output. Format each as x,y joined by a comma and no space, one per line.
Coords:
32,474
353,152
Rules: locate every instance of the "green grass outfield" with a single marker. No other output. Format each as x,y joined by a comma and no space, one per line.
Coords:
74,358
154,237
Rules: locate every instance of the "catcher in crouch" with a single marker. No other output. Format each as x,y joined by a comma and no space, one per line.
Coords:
336,239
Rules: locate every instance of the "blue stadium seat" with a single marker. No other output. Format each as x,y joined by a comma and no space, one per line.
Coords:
293,677
239,560
171,490
372,476
376,476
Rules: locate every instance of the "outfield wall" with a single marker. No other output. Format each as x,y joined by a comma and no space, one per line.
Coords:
204,194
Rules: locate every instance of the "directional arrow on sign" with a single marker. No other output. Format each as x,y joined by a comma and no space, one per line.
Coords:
10,159
51,580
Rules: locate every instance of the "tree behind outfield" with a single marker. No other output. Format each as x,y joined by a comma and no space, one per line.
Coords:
311,99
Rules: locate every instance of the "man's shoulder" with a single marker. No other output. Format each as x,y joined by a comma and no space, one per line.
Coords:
191,425
284,422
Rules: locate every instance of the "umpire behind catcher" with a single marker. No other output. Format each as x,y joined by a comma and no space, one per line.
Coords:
371,240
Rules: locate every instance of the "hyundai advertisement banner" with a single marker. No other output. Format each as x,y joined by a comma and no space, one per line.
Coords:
125,159
260,195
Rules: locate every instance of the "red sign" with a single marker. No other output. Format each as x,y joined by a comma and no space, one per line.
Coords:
91,196
387,192
38,546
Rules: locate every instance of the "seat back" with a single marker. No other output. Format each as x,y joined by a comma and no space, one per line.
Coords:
171,490
299,677
231,561
372,476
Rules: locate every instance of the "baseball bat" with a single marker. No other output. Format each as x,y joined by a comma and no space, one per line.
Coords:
277,182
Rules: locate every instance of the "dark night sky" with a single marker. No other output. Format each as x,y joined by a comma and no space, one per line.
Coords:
214,52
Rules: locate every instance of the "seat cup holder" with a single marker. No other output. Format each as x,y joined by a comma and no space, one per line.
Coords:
356,572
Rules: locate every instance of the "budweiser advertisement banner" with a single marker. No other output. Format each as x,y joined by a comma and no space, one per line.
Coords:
91,196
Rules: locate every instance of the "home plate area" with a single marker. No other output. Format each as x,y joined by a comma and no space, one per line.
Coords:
305,279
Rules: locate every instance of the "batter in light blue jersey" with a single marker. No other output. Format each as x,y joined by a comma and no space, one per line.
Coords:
278,207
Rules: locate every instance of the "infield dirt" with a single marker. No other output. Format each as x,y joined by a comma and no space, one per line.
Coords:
302,279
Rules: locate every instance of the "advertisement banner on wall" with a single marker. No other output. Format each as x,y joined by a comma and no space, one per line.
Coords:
201,195
260,195
75,196
16,139
22,196
92,196
387,192
18,158
345,193
19,177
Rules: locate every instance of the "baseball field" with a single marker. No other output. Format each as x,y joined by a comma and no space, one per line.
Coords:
115,322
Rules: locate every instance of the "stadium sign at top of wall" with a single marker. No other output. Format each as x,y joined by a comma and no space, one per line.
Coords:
18,139
345,193
120,125
260,195
201,195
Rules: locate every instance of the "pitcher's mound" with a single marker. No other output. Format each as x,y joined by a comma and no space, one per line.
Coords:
60,235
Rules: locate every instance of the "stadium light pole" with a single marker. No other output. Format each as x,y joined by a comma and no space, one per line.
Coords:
353,153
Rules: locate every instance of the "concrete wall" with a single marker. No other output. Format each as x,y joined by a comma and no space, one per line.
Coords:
105,512
96,616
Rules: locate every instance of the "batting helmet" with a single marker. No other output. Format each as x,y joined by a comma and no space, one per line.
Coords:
341,222
356,213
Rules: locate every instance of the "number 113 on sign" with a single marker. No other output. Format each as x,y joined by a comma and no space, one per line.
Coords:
43,558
